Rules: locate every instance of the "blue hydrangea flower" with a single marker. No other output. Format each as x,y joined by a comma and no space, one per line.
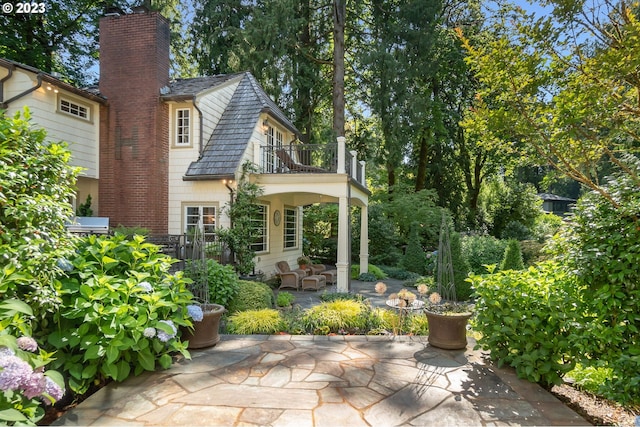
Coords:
15,372
64,264
27,344
149,332
34,385
5,352
162,335
195,311
146,286
51,391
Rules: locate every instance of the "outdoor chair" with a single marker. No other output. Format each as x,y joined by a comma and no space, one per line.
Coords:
321,269
293,166
289,278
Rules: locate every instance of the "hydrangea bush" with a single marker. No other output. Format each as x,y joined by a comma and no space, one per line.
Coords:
121,311
25,386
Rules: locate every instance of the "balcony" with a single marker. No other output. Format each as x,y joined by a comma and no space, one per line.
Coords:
312,159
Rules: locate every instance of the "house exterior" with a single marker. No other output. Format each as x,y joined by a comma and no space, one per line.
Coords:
555,204
166,155
67,113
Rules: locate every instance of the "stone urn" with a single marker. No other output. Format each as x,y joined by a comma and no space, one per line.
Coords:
448,331
206,332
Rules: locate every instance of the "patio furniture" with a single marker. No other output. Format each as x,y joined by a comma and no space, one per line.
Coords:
289,278
321,269
293,166
314,282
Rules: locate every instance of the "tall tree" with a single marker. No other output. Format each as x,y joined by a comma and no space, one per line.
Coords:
564,88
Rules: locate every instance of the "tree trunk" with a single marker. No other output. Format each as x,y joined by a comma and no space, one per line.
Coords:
339,12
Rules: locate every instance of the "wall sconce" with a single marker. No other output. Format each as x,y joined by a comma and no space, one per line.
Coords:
265,126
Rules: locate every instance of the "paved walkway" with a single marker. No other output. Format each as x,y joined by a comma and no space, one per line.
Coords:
302,381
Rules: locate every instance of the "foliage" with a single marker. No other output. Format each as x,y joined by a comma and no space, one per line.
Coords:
333,296
84,209
601,247
546,226
482,250
36,183
284,299
590,378
512,257
320,231
335,316
510,208
251,296
367,277
533,252
398,273
383,237
131,231
415,257
26,386
303,260
525,320
560,89
120,311
242,213
258,321
222,280
376,271
460,269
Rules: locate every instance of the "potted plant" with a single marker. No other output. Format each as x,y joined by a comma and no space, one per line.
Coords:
303,261
205,314
447,317
284,300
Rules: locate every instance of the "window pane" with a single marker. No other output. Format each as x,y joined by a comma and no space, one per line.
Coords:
290,228
259,224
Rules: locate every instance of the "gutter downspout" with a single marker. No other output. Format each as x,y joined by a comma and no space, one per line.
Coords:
4,79
200,143
20,95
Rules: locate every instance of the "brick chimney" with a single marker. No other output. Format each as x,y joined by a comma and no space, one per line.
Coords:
134,135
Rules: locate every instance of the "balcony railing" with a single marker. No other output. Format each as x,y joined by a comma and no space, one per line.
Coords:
310,158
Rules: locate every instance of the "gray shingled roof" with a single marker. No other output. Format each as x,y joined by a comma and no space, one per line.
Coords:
181,88
223,152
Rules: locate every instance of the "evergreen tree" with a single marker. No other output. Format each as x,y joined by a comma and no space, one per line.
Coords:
460,268
512,256
415,258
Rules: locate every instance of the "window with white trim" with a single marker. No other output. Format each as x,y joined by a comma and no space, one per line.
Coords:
290,222
74,109
183,127
259,224
274,143
203,216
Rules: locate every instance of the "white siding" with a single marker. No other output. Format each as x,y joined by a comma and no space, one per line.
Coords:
212,104
81,135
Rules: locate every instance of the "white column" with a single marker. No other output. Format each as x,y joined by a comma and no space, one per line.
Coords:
364,176
342,264
364,240
354,163
342,153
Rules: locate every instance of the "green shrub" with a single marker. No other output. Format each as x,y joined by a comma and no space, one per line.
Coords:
284,299
482,250
601,246
367,277
263,321
376,271
415,258
333,296
222,280
526,320
399,273
515,230
512,257
15,406
36,183
251,296
336,316
120,311
460,269
416,324
546,226
533,252
591,378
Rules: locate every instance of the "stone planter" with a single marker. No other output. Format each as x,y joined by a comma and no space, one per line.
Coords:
205,333
448,331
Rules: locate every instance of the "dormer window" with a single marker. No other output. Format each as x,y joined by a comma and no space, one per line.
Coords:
73,108
183,127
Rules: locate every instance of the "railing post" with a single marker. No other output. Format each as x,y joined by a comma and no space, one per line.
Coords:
354,164
341,155
363,179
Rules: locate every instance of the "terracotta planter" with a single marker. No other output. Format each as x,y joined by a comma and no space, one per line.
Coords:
205,333
448,332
